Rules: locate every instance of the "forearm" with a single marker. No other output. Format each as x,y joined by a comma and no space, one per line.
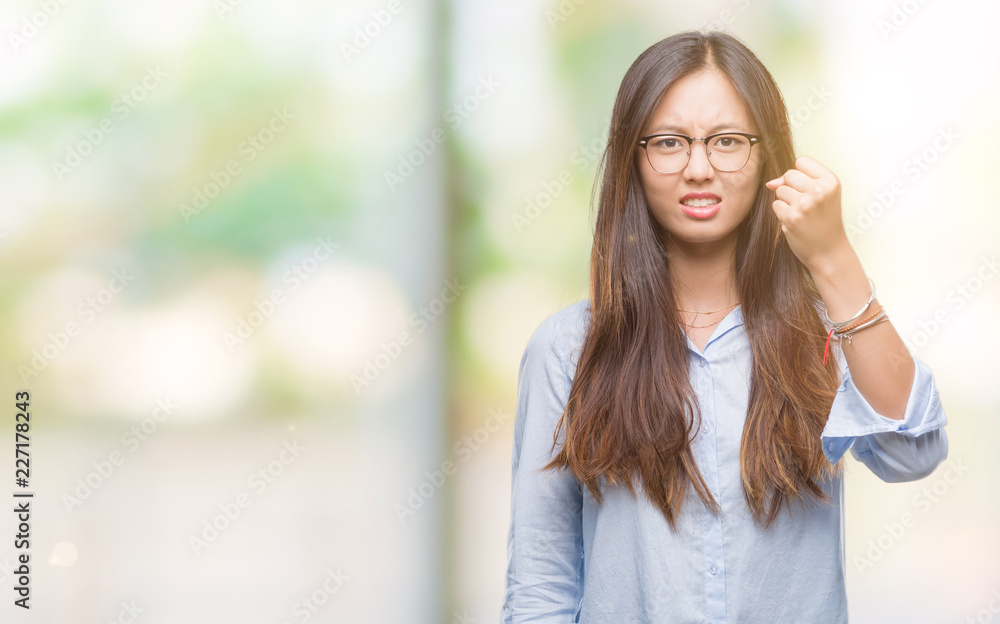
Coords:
881,366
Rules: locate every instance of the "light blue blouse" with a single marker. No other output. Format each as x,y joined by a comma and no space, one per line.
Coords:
572,560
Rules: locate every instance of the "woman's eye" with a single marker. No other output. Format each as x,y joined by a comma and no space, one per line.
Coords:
729,141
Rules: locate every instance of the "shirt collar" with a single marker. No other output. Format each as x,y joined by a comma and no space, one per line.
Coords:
732,320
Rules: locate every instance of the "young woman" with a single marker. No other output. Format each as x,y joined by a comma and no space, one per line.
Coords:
679,435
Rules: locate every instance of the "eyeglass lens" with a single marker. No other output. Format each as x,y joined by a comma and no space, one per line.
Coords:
670,154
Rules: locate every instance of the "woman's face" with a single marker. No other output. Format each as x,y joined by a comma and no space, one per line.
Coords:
698,105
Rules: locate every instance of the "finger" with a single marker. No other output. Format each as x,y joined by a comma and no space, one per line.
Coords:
787,193
780,208
812,167
800,181
775,183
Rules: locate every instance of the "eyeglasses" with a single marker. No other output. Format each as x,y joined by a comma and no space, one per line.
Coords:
727,151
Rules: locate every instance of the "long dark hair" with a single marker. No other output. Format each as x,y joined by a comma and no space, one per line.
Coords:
631,408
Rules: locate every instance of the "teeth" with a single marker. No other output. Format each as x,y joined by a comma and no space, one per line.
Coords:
700,202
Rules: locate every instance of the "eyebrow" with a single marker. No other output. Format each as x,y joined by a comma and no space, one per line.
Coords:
672,128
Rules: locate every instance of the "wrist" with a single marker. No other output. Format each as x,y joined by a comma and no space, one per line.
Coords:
834,264
842,283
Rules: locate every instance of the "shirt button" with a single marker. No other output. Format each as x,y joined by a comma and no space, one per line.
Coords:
713,569
708,427
702,363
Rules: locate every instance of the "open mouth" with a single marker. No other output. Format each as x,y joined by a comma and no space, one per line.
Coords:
701,207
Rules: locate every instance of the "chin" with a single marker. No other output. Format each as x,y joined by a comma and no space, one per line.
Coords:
705,234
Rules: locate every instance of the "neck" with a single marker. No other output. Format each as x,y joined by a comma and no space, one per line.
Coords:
703,273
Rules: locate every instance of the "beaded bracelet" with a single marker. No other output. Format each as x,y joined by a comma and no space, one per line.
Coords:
878,319
836,326
846,330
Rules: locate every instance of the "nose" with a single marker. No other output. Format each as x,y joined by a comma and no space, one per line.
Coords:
698,167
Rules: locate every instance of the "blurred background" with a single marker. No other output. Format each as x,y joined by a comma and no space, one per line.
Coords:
267,271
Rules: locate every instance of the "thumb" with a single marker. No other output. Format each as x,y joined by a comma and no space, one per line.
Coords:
775,183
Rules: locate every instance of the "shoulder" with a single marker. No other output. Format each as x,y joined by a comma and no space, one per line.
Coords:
559,336
565,327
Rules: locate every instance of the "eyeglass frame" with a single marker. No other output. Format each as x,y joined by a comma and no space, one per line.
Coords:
644,141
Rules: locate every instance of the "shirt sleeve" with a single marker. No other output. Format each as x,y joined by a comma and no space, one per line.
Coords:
895,450
545,538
